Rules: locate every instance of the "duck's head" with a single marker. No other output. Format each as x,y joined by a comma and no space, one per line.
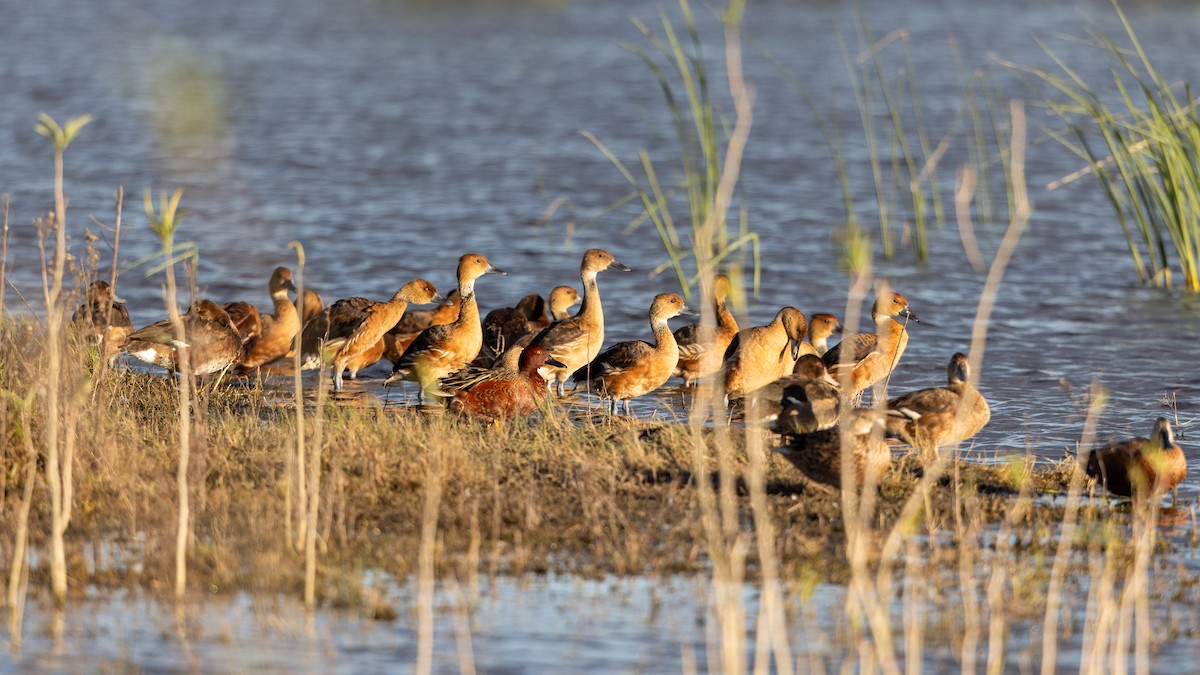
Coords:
722,286
598,260
811,367
959,370
536,356
474,265
821,326
562,298
892,305
418,292
668,305
281,281
1162,437
795,325
100,292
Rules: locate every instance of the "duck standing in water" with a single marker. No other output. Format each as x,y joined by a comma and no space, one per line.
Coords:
504,394
577,340
103,320
441,350
627,370
1141,467
701,348
864,359
209,333
760,355
933,418
350,333
277,331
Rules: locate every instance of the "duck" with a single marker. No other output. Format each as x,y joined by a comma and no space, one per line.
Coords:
441,350
821,327
562,299
941,416
349,334
213,341
864,359
102,319
800,403
396,340
577,340
627,370
311,305
278,330
702,348
504,394
1141,467
760,355
502,326
818,455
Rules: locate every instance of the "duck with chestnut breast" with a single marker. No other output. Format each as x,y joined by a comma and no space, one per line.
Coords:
277,331
102,319
503,394
577,340
941,416
441,350
864,359
213,341
396,340
760,355
349,334
562,299
627,370
821,327
805,401
702,348
1145,468
818,455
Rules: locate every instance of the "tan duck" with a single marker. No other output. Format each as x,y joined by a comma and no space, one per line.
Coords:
760,355
213,341
933,418
562,299
350,333
863,359
702,348
396,340
503,394
821,327
577,340
102,319
627,370
441,350
1141,467
819,455
800,403
278,330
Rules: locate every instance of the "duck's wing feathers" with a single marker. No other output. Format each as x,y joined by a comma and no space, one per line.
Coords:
619,357
859,346
915,404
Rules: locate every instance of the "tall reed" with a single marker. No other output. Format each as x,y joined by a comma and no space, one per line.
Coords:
60,460
1143,150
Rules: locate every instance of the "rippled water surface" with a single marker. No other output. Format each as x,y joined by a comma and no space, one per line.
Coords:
390,137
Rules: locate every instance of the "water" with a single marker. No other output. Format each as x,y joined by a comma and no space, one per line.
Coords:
390,137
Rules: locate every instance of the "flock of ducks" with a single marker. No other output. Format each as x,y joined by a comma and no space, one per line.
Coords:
503,365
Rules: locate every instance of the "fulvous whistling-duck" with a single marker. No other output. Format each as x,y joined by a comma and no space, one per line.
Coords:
627,370
1141,467
562,299
760,355
819,455
702,348
278,330
441,350
863,359
800,403
577,340
102,319
213,341
396,340
932,418
501,394
820,328
350,333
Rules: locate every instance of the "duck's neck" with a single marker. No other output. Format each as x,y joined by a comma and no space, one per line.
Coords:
591,296
468,310
664,339
393,310
725,321
285,311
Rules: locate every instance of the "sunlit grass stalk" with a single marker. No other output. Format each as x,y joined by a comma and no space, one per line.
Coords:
102,363
3,253
164,222
59,461
426,571
18,573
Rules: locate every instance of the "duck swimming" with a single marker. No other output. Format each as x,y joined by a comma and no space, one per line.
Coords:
1140,467
933,418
